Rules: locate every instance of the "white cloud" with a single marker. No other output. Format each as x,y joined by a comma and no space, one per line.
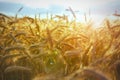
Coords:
75,4
81,5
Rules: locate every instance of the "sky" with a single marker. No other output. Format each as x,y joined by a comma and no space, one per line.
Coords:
98,9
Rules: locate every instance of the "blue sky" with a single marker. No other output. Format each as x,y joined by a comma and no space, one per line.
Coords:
98,8
12,8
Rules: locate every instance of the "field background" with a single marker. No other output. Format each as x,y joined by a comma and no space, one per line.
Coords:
59,47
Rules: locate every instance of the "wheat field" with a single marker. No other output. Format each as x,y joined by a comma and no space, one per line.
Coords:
50,49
